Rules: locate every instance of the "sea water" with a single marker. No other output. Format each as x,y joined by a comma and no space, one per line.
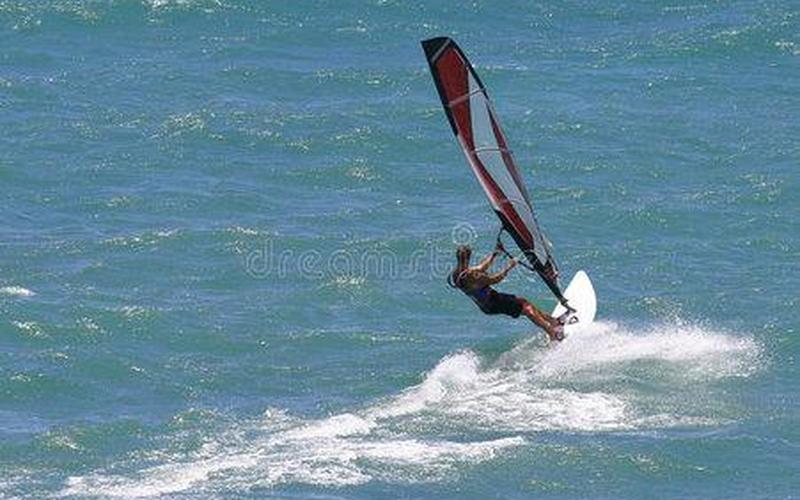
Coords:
226,227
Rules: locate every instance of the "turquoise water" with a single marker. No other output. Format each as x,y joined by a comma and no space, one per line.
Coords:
225,226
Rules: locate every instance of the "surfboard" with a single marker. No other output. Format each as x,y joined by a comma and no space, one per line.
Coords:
581,297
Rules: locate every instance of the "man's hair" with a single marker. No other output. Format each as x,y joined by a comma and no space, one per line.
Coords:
463,253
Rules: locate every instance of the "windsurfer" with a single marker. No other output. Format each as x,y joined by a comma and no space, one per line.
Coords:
476,282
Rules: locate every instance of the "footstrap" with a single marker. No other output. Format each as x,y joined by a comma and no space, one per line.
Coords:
568,318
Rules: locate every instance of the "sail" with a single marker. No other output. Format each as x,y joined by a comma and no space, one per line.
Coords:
477,128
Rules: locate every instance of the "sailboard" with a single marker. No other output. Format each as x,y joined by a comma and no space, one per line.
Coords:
475,124
581,297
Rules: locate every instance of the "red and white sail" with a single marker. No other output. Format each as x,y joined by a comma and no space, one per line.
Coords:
477,128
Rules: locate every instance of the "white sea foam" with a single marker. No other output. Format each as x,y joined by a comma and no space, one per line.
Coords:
16,291
337,451
693,349
406,437
150,238
244,230
30,328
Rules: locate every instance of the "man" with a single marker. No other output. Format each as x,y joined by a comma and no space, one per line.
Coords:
476,282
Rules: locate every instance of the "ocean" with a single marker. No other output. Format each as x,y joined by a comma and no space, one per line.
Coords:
226,227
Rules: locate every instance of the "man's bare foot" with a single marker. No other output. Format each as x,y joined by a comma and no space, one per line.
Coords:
555,330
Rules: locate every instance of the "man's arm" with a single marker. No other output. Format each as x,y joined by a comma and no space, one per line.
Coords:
498,277
487,262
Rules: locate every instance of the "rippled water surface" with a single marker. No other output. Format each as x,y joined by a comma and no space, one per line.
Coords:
225,226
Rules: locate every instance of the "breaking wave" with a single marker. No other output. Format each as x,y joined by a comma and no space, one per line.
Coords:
607,379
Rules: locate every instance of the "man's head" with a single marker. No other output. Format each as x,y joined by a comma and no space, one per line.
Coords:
463,254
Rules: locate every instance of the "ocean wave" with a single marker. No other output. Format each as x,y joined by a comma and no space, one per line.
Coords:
404,438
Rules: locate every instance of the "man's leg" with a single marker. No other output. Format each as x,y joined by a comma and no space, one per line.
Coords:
543,320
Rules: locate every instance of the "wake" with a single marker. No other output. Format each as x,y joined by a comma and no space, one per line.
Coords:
607,379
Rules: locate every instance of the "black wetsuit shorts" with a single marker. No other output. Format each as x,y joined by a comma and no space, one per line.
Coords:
491,301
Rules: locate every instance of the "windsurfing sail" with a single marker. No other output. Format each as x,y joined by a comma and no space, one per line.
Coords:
475,124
